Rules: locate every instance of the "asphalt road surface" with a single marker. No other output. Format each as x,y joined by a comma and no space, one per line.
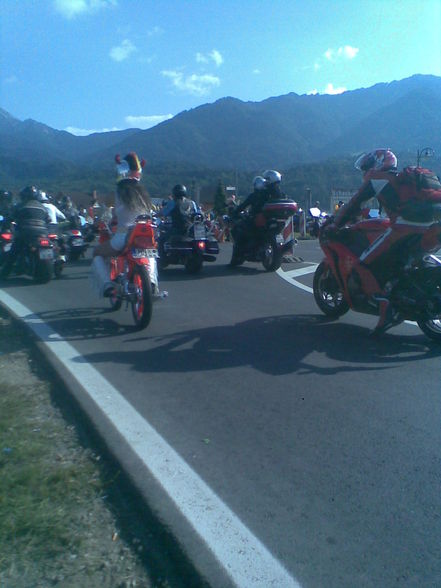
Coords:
323,443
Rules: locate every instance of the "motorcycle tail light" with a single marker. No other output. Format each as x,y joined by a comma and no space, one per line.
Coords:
6,236
44,242
52,236
201,245
76,233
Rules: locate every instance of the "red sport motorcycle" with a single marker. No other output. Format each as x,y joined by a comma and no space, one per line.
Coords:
409,272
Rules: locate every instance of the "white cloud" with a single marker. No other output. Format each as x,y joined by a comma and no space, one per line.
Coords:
346,52
331,90
328,90
155,31
123,51
199,85
214,56
73,8
83,132
10,80
146,121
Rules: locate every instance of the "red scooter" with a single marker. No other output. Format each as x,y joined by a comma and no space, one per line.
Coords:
134,271
409,272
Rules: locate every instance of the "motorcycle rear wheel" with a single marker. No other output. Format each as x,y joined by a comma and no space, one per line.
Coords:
272,259
58,268
193,264
142,303
43,271
327,293
431,329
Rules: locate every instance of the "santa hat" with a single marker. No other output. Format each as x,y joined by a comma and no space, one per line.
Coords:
129,168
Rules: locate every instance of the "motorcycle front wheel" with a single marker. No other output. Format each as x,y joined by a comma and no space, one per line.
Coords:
142,302
327,293
431,329
272,257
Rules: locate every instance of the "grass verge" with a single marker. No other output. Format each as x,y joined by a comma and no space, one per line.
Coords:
65,517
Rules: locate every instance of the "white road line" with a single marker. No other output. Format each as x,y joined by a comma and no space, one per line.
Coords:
241,554
289,276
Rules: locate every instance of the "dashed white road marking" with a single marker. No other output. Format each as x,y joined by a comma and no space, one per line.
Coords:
241,554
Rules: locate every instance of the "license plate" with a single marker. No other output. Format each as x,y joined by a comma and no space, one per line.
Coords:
138,253
7,247
77,242
279,239
46,254
199,232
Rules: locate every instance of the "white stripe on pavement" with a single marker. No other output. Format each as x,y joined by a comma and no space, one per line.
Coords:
241,554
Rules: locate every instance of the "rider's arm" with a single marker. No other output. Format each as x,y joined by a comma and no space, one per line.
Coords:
167,210
352,208
245,204
59,214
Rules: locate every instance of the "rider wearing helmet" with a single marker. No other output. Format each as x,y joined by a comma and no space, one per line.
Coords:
180,209
265,187
380,180
31,219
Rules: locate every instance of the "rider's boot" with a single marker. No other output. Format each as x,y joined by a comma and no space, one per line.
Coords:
388,318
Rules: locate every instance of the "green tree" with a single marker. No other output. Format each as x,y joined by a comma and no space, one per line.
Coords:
220,204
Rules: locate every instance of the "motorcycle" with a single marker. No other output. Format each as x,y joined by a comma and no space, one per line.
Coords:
314,221
59,257
191,249
265,242
73,245
35,259
410,273
134,271
5,241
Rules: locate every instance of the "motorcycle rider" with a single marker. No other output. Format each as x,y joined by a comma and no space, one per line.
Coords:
381,180
265,187
131,201
31,219
55,213
180,209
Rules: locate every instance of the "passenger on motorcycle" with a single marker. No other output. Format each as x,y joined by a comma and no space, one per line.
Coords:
181,211
31,219
131,201
381,180
264,187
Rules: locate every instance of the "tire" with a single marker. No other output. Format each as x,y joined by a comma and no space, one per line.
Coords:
58,269
74,255
327,293
431,329
236,257
115,301
43,271
272,257
142,304
193,265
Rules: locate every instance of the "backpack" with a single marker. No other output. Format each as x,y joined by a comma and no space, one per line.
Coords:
419,191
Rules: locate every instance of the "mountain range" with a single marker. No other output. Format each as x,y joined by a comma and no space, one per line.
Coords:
281,132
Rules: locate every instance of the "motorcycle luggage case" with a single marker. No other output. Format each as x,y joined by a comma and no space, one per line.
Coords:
280,209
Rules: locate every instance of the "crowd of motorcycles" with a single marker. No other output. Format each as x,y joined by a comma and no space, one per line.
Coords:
415,286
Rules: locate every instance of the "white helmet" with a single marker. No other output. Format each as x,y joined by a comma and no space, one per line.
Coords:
259,183
272,176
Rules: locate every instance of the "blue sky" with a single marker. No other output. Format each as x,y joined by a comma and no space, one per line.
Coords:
94,65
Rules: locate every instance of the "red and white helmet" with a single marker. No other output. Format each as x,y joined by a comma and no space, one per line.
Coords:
379,160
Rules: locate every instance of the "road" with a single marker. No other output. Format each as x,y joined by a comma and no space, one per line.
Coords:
322,444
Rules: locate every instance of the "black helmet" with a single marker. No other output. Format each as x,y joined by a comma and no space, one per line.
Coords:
179,191
29,193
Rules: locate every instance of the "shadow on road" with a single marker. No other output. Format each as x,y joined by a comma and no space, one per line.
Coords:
276,345
79,324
